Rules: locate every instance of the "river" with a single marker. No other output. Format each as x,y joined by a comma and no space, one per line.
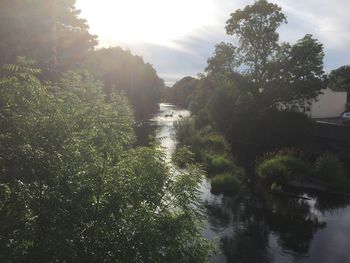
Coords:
260,227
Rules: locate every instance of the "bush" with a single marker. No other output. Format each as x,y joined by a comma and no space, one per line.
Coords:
281,168
185,131
225,183
215,163
183,156
215,142
329,169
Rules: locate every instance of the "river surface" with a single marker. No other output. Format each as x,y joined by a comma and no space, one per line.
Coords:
260,227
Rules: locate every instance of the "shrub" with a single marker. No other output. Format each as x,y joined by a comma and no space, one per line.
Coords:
225,183
281,168
183,156
217,163
329,169
215,142
185,131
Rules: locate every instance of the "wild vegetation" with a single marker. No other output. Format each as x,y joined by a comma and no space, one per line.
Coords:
250,92
211,150
72,186
73,190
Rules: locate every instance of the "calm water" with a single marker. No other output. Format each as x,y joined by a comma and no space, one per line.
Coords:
260,227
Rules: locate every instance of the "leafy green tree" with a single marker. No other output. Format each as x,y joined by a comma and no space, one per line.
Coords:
48,31
339,79
256,29
296,74
121,71
181,92
277,72
72,189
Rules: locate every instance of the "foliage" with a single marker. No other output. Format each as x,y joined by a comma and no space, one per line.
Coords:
281,169
276,72
339,79
329,169
256,29
181,92
183,156
215,163
185,131
73,190
121,71
225,183
253,133
47,31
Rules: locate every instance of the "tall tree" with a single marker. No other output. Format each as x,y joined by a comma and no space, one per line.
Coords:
182,91
277,72
339,79
122,71
48,31
256,29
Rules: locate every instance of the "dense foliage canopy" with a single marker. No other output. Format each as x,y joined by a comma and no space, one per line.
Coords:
121,71
47,31
339,79
73,190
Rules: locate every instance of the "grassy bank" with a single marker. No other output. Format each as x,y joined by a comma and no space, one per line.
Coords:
211,150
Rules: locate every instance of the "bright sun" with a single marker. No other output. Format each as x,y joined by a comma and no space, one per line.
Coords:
160,22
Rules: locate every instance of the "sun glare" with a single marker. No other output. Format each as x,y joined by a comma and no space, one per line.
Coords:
160,22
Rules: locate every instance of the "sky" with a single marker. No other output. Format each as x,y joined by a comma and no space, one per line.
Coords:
178,36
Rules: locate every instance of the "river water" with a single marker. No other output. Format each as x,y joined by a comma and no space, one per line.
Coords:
260,227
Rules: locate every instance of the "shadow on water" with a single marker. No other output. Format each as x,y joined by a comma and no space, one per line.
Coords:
257,226
262,227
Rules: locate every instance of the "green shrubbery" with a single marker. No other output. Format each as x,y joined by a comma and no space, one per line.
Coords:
284,166
225,183
212,150
330,170
281,168
183,156
73,190
215,163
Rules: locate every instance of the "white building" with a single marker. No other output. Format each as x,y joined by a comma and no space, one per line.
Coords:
329,104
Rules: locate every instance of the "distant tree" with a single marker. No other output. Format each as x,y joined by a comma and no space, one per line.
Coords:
182,91
278,72
296,72
224,60
47,31
339,79
121,71
256,29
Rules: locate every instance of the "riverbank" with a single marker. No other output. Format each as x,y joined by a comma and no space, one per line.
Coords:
255,226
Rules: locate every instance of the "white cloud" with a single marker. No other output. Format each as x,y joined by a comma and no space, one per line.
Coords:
178,36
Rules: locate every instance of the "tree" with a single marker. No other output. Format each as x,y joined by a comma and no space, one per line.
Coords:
339,79
48,31
182,90
296,73
121,71
256,29
73,190
277,72
224,60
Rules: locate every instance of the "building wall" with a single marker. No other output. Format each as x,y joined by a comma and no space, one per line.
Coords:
330,104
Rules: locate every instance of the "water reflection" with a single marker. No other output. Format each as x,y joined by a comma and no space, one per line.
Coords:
257,226
262,227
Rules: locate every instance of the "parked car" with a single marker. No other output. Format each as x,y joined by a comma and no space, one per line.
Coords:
345,118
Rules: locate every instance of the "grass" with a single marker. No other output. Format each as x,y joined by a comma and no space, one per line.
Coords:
225,183
281,168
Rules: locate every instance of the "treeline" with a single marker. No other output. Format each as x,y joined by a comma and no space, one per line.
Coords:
52,34
72,187
247,85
